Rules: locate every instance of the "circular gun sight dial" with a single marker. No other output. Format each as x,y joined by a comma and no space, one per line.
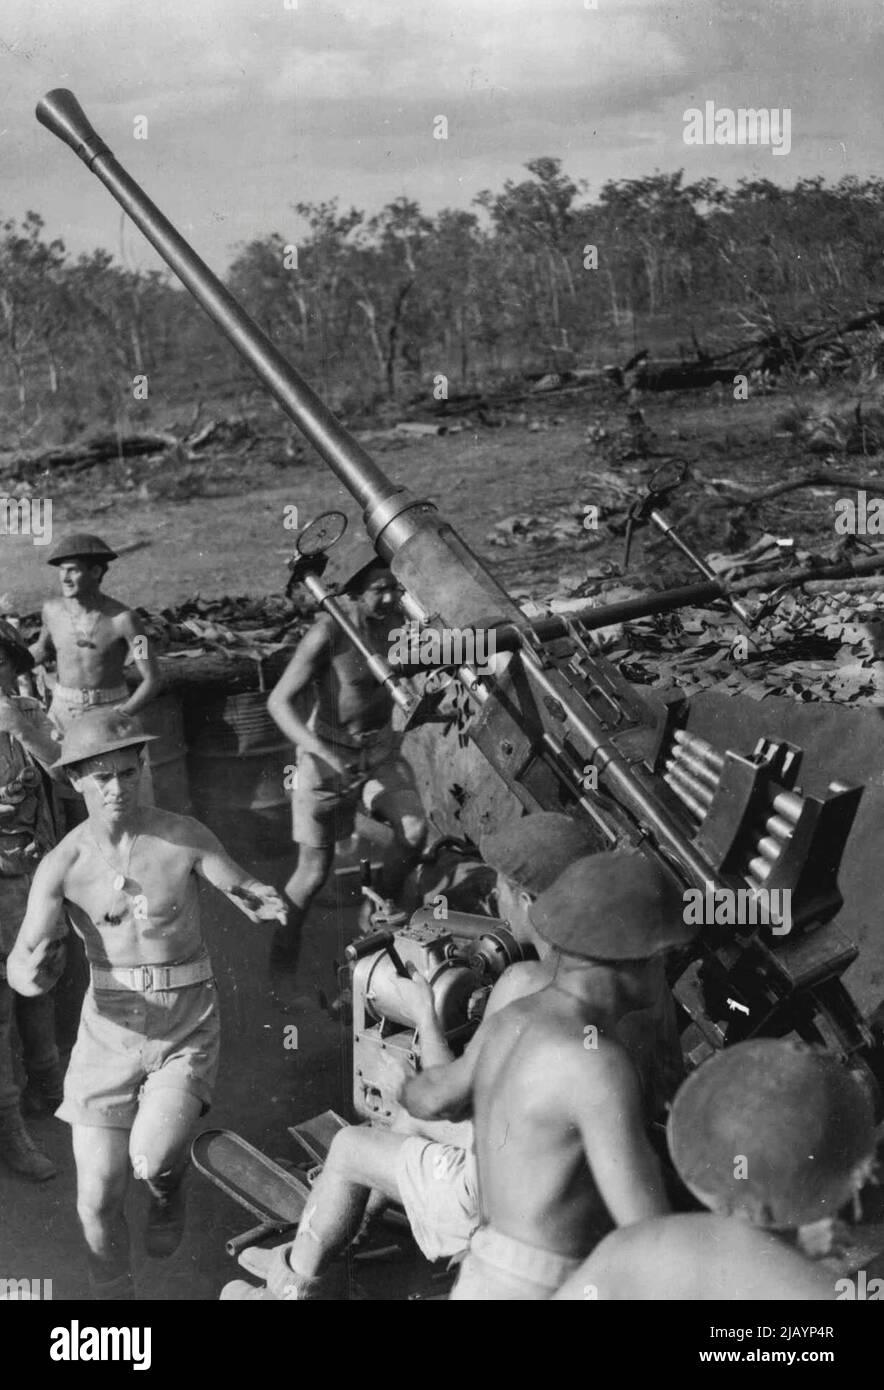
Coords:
322,533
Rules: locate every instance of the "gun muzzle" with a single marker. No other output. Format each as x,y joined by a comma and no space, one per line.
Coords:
61,113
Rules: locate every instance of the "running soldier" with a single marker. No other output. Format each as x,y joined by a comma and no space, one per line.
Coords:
144,1065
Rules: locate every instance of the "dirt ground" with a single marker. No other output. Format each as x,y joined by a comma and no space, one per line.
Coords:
232,537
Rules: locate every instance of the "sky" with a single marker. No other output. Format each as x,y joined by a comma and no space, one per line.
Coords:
254,105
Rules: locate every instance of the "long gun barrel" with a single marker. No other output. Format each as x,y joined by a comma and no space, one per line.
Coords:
436,568
561,728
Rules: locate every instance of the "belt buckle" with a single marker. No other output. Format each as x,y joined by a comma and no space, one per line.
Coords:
147,977
88,695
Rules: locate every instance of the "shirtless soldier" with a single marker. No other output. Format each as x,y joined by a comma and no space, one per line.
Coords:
427,1166
144,1064
347,751
561,1144
431,1171
770,1133
90,636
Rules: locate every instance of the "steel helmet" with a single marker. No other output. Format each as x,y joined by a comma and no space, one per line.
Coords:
773,1129
80,545
352,571
613,906
100,731
533,851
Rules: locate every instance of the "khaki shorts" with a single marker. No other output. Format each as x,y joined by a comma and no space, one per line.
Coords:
67,705
134,1041
502,1269
437,1187
324,804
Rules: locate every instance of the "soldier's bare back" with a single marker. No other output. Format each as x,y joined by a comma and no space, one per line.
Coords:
535,1183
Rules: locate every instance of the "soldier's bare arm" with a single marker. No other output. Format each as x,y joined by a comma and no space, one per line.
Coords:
520,979
609,1112
36,960
441,1093
30,726
258,901
146,664
310,658
43,650
444,1092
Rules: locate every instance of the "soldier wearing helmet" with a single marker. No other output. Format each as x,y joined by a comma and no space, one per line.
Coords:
348,754
426,1166
771,1136
90,636
560,1123
144,1063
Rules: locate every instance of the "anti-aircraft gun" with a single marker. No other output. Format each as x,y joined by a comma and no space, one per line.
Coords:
564,730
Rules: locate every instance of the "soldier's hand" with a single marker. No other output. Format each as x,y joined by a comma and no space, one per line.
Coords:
827,1237
46,964
391,1071
260,902
328,755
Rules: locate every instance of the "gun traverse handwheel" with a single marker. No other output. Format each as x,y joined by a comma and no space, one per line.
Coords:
322,533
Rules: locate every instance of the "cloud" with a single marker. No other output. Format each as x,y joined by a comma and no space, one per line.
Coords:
252,105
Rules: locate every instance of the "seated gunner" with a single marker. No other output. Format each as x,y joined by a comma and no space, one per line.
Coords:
430,1171
428,1167
560,1126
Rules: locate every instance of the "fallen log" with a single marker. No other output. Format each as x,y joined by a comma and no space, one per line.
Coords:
99,449
677,376
753,499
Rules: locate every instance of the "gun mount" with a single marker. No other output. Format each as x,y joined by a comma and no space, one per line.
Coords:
460,956
563,729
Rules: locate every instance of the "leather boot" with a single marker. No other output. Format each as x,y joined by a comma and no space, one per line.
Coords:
19,1151
285,947
44,1091
165,1215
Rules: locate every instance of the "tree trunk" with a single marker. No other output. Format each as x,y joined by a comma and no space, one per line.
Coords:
21,388
464,348
370,313
553,293
137,354
615,307
393,337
